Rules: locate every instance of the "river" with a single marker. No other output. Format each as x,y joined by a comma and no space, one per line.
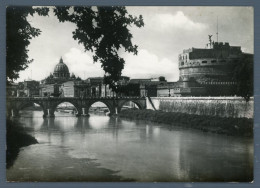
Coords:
102,148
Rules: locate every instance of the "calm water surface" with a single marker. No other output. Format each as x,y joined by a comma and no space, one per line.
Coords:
102,148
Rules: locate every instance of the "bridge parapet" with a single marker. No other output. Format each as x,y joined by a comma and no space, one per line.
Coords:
71,98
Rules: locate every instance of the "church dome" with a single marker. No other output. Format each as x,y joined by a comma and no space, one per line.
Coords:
61,70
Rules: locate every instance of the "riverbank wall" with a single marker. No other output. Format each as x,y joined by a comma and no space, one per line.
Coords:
235,107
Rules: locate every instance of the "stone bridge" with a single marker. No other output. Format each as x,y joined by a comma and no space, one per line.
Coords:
49,104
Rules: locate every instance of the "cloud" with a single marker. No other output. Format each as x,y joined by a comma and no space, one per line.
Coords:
179,20
81,64
148,65
144,65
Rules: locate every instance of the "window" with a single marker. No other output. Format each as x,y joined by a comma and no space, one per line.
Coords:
213,61
204,61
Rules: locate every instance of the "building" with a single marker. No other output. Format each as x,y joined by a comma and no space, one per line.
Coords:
142,86
208,72
49,89
60,74
154,87
166,90
61,84
100,89
11,89
53,85
95,84
28,88
75,89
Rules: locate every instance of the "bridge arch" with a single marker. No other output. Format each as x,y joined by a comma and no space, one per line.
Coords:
28,104
108,104
24,104
55,104
136,102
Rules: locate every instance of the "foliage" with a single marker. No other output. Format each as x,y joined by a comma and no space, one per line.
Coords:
78,78
49,79
103,30
18,35
214,124
16,137
243,74
129,90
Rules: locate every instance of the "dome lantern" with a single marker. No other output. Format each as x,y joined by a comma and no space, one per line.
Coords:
61,60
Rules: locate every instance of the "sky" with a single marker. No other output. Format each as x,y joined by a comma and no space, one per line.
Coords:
166,33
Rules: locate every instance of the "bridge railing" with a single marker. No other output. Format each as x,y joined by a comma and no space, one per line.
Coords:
58,98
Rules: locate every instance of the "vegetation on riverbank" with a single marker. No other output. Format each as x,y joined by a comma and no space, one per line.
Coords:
16,137
221,125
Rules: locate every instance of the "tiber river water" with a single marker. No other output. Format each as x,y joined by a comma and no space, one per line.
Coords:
102,148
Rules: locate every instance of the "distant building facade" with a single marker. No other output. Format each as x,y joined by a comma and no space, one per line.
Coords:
61,84
28,88
53,85
75,89
154,87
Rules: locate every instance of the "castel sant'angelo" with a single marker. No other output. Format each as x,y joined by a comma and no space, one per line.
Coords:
209,71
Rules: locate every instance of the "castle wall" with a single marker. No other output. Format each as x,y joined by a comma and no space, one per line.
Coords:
202,71
213,106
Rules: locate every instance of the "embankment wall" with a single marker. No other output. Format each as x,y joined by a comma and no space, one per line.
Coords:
215,106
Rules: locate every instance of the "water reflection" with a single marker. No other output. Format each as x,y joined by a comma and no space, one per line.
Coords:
128,150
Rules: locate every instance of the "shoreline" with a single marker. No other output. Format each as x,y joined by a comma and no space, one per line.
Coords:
219,125
16,138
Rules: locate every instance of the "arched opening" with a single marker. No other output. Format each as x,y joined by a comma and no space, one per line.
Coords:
98,108
129,105
65,109
29,109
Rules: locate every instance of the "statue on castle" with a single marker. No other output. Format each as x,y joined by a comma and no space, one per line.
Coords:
210,36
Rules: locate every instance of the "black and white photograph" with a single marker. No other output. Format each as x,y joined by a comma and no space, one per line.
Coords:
130,94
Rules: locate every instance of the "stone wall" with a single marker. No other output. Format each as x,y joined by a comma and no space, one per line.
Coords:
215,106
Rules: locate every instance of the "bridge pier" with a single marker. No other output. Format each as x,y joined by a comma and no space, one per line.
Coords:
45,113
15,113
8,113
78,114
51,113
84,112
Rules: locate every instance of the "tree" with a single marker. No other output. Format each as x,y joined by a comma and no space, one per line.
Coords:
129,90
18,35
51,76
78,78
243,74
103,30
